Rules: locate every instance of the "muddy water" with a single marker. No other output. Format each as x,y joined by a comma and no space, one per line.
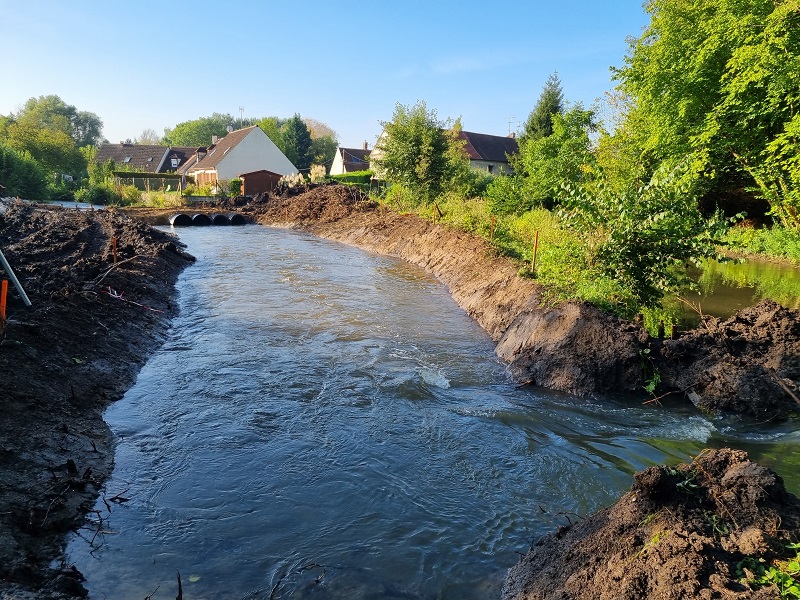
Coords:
327,423
724,288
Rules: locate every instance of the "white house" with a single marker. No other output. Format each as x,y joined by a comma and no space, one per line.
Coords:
348,160
242,151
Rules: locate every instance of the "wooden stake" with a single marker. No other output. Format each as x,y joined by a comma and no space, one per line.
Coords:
114,247
535,250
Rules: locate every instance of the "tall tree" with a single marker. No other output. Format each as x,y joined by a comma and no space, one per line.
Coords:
51,112
416,151
719,80
148,137
551,102
297,143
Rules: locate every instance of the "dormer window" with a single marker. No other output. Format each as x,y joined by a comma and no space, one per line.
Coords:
127,159
174,163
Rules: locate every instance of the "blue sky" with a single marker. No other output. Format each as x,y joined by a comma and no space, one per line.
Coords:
150,65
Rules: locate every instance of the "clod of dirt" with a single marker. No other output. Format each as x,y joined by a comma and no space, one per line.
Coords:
680,532
747,364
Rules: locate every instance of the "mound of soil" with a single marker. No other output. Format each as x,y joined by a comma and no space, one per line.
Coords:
693,531
749,364
78,347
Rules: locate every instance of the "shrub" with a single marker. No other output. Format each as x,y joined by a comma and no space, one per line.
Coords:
102,193
354,177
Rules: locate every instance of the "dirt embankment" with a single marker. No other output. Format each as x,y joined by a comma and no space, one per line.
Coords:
693,531
749,364
78,347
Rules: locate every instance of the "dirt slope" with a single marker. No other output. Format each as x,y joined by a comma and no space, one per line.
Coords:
62,360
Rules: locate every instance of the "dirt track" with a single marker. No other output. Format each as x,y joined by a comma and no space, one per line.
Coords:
93,325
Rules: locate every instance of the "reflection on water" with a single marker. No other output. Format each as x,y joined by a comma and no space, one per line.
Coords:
725,288
326,422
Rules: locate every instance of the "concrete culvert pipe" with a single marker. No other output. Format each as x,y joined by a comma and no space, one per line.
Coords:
220,219
201,219
180,220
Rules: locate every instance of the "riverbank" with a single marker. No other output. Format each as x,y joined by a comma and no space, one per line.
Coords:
91,326
748,364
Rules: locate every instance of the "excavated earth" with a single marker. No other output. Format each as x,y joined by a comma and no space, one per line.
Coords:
93,324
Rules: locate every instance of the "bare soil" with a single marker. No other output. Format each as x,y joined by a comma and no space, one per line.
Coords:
678,533
78,347
93,324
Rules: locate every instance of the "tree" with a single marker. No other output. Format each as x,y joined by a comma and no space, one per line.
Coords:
22,175
324,142
565,156
643,236
416,151
53,149
148,137
52,113
551,102
198,132
297,143
719,80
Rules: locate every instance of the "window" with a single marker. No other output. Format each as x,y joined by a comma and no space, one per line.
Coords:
490,168
127,159
174,163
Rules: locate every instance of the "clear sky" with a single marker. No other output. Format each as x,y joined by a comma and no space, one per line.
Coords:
151,64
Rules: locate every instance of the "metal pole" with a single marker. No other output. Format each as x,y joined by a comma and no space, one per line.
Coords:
14,279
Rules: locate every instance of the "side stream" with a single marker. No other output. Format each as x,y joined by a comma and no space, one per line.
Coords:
327,420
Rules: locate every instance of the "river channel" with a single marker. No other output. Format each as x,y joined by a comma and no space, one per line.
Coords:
327,423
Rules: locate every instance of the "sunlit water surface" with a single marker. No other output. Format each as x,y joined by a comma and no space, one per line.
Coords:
327,423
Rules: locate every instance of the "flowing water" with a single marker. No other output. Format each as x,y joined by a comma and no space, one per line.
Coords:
324,422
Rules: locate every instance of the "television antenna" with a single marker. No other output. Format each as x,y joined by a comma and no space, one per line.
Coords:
510,120
241,116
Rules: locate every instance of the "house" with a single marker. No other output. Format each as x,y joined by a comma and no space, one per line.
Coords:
349,160
486,152
489,152
144,158
244,151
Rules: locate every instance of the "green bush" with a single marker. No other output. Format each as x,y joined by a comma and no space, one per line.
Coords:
102,193
22,175
354,177
776,241
235,187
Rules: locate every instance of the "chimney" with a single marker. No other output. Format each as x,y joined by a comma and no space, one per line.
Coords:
214,139
513,135
366,147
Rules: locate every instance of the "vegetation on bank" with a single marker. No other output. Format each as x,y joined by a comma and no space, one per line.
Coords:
704,115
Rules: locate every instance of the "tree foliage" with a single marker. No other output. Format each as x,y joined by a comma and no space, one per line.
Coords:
643,236
565,156
52,113
21,175
551,102
199,132
297,143
719,80
417,151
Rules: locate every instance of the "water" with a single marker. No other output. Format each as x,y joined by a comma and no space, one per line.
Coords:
326,422
725,288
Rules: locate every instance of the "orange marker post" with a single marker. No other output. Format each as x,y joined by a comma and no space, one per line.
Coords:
114,248
3,293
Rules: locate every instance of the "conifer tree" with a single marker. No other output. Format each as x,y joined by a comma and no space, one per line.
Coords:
551,102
